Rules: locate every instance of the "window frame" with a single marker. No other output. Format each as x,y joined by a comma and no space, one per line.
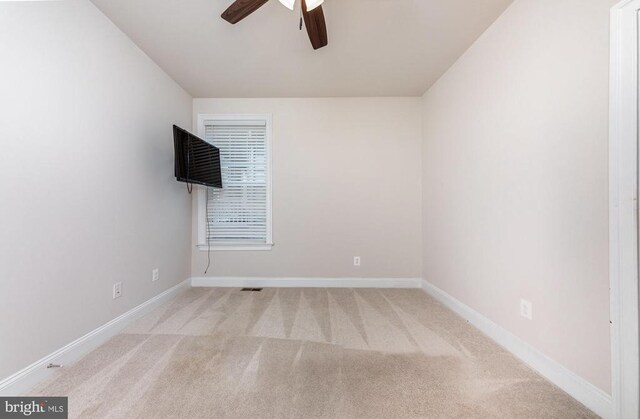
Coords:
202,244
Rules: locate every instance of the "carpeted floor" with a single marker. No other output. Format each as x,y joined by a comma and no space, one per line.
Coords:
305,353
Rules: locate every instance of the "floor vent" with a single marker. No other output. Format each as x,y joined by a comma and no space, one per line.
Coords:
251,289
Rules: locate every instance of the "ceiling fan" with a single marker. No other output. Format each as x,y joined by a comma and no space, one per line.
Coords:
311,12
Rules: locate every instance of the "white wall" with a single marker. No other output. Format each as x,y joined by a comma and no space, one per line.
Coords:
515,179
346,182
87,190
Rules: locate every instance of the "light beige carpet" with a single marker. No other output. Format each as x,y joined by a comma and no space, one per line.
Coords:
305,353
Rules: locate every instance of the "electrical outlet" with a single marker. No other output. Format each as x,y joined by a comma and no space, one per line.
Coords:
356,261
526,309
155,274
117,290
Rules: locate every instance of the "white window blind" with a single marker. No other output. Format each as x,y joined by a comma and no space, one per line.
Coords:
239,214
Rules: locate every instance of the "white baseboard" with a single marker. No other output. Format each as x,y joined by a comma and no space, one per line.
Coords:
583,391
577,387
27,378
306,282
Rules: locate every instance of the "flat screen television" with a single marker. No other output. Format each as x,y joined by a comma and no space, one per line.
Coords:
196,161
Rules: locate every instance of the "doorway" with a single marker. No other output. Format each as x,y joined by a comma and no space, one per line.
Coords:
623,208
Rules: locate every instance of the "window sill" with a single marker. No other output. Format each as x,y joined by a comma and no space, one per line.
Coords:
235,248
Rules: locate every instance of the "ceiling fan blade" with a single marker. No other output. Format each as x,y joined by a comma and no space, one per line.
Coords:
316,26
241,9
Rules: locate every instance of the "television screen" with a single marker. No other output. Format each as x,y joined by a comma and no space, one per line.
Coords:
196,161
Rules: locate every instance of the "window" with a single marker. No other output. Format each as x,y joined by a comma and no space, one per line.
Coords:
237,217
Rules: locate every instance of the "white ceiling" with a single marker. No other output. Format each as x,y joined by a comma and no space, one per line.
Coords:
376,47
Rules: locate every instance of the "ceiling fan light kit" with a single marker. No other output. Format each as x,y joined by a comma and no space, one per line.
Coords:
311,10
289,4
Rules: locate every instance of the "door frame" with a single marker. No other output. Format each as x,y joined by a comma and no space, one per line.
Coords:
623,208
